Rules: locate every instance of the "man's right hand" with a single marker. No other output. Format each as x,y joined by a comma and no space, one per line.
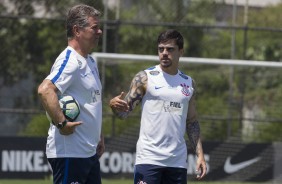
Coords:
118,104
69,128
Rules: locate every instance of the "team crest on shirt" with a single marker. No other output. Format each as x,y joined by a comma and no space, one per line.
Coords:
185,89
142,182
154,72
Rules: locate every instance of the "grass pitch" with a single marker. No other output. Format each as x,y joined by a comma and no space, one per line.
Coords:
118,181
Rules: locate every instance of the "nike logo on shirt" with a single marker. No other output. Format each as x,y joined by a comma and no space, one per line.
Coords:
158,87
232,168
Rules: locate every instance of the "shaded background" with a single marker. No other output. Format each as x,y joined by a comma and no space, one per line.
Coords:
236,104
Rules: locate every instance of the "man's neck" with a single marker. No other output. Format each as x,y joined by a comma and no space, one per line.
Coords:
77,48
169,70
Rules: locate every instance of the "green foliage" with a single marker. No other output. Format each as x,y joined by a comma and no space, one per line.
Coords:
113,126
123,71
45,47
32,45
11,69
216,39
265,45
38,126
138,40
132,38
266,17
35,43
268,132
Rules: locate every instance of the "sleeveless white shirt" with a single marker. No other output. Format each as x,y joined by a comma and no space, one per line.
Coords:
163,122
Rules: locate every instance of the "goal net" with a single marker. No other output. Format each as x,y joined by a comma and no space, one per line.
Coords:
238,104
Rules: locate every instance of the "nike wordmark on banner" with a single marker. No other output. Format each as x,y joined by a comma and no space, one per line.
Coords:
232,168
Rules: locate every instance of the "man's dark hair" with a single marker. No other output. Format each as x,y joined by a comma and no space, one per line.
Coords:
169,35
78,15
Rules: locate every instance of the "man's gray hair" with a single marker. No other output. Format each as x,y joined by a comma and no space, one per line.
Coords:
78,15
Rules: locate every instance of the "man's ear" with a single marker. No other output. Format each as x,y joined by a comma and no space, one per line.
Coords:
75,30
181,52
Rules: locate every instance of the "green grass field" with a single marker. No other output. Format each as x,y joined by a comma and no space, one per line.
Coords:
120,181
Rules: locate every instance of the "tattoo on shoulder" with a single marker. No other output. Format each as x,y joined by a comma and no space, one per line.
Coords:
141,78
137,89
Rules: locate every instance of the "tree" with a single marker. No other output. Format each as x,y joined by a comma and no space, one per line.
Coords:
31,44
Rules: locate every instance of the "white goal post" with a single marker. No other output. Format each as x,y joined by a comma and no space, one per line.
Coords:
231,62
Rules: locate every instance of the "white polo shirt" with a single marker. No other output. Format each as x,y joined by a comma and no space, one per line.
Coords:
79,77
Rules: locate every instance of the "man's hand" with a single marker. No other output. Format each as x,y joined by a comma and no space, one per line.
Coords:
69,128
118,104
201,168
100,147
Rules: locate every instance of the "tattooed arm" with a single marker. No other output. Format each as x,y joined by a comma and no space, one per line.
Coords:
123,104
193,132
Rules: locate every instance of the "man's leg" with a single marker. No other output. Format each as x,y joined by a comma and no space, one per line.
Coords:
173,175
147,174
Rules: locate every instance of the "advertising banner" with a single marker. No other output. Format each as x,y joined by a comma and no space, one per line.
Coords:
24,158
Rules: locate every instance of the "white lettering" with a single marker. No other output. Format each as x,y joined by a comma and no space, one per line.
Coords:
23,161
8,161
128,162
18,162
115,162
192,162
207,158
38,161
103,162
26,161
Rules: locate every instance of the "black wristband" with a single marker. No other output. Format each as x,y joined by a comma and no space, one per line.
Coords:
61,125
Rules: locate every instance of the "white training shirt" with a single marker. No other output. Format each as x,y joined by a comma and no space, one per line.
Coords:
163,122
79,77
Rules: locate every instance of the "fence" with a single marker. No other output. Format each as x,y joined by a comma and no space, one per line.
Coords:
240,124
238,101
233,110
32,32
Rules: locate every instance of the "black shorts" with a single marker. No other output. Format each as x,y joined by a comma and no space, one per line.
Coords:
76,170
153,174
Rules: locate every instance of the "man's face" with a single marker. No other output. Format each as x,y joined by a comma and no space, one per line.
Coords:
169,54
90,35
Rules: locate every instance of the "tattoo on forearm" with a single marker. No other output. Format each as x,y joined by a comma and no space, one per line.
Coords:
136,91
121,115
193,131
